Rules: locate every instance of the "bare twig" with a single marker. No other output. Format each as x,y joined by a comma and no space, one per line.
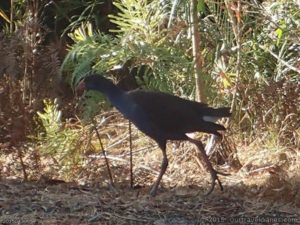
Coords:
130,151
104,154
20,155
265,168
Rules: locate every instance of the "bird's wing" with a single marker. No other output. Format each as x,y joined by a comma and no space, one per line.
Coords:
168,112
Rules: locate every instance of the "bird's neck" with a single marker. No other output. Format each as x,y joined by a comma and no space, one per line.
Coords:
113,93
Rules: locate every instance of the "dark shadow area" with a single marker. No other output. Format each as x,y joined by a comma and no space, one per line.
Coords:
49,201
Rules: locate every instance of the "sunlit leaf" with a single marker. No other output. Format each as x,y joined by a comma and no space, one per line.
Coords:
3,15
279,33
226,83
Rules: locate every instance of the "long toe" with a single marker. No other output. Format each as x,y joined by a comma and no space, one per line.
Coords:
214,178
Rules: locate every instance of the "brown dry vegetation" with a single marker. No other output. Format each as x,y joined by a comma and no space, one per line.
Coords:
263,166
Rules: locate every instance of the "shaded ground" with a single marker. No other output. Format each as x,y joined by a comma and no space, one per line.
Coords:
56,202
264,190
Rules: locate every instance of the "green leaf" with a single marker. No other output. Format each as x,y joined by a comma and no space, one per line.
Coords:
226,83
279,33
201,6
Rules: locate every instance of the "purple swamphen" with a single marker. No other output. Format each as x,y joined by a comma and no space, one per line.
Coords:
162,117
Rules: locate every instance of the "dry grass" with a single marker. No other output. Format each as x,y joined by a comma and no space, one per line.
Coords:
265,187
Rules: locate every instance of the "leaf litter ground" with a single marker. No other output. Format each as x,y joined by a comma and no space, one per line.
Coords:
265,190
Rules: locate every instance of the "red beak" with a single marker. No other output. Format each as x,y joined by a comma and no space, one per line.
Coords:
80,88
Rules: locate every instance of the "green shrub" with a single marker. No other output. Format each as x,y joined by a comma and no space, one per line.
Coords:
60,141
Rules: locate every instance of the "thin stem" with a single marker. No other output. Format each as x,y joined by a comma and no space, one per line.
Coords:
130,151
104,154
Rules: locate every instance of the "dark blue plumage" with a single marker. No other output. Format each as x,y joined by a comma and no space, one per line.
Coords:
162,117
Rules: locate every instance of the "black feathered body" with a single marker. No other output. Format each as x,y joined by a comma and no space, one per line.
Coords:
162,117
161,114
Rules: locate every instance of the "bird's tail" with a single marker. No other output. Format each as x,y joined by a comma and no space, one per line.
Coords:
213,114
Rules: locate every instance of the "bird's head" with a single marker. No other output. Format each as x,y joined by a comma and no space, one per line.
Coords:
94,82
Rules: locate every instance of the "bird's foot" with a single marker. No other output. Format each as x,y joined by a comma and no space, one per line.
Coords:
214,178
